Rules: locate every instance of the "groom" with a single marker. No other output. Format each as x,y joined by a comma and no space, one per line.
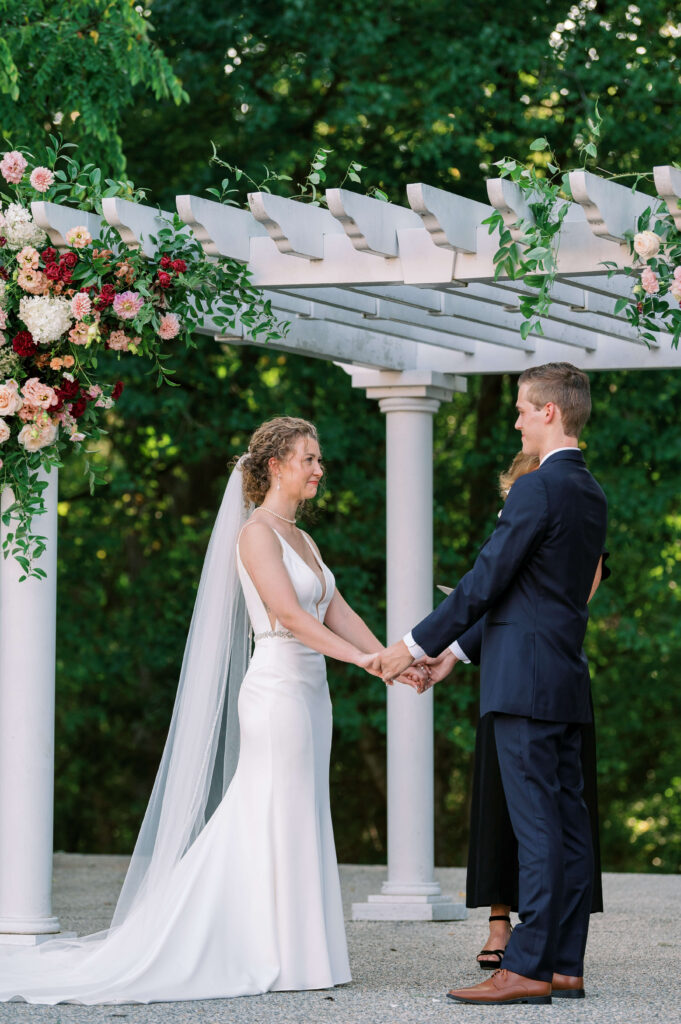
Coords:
533,578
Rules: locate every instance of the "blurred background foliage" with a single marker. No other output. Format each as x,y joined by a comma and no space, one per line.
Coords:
432,91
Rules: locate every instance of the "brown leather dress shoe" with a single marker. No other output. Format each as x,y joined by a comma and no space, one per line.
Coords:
502,988
564,986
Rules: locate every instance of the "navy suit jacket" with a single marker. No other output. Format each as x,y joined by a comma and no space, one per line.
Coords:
532,578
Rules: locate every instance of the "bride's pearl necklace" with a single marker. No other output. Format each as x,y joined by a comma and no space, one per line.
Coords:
277,514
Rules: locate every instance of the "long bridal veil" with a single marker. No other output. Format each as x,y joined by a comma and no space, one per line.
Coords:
199,758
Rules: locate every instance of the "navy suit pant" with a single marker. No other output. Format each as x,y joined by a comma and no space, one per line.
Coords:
542,778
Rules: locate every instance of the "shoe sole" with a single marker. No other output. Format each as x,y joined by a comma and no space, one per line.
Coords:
501,1002
568,993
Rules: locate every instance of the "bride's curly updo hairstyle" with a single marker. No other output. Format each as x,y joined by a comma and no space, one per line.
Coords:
274,439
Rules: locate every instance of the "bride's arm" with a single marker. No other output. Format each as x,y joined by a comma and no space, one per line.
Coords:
348,624
261,555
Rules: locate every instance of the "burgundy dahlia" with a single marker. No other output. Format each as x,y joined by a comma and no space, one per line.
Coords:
49,255
68,388
164,279
52,271
118,388
69,259
78,408
179,266
166,262
24,345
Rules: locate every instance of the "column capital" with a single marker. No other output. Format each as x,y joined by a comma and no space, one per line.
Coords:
408,390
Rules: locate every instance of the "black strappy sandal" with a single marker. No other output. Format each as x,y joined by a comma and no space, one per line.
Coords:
494,965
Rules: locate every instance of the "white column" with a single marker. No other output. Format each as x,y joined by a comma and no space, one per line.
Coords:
27,663
409,401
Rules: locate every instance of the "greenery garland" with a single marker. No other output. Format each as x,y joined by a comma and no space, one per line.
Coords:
60,311
655,301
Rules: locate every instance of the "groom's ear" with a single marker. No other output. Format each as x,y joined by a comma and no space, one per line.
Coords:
552,412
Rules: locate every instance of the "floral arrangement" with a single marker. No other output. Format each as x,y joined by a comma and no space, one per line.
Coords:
62,310
655,302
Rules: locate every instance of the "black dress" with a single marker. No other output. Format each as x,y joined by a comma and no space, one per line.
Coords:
492,875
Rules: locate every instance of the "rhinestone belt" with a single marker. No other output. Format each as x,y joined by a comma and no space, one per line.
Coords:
284,633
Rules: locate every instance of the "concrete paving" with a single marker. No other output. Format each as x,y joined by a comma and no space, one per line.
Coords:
401,971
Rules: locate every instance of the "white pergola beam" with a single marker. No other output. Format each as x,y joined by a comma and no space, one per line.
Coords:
611,209
371,225
450,220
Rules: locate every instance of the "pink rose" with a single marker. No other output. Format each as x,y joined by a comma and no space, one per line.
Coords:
169,326
649,281
119,341
12,167
4,432
35,392
10,400
675,290
78,237
94,391
40,434
127,305
76,436
28,258
677,273
81,305
41,179
3,319
646,244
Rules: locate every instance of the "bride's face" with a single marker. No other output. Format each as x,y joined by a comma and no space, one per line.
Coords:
302,471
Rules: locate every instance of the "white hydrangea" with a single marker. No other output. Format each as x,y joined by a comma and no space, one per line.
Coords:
20,229
47,317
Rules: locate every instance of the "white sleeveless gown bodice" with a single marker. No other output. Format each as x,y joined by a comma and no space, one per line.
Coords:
255,904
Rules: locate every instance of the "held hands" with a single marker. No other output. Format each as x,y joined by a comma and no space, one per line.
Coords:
434,669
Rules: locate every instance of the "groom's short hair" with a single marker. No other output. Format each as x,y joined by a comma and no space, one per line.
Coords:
565,386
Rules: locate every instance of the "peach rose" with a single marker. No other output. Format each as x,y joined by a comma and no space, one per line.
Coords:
119,341
68,362
649,281
40,434
78,237
28,258
35,392
33,281
79,335
4,432
10,400
28,412
646,244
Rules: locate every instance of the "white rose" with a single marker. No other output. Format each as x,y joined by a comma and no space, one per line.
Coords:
10,400
4,432
646,244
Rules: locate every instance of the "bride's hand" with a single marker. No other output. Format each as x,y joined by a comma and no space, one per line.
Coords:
370,662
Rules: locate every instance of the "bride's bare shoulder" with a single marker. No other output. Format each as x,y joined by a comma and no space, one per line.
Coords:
257,538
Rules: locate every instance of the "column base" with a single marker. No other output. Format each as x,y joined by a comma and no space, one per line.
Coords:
395,907
25,930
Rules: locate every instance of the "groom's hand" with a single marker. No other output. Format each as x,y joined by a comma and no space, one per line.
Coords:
438,668
394,660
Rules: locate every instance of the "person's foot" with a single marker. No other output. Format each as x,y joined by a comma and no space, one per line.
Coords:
492,953
504,988
565,986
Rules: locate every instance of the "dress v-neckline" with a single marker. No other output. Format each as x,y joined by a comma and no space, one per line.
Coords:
322,581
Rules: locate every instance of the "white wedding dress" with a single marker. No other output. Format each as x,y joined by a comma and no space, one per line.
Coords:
254,903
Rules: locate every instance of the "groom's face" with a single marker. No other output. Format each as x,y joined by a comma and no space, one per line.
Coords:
531,422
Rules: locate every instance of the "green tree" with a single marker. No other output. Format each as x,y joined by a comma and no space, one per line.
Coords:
74,65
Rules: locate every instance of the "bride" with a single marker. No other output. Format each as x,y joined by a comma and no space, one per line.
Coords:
233,886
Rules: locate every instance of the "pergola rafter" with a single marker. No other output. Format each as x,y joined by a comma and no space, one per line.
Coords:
405,298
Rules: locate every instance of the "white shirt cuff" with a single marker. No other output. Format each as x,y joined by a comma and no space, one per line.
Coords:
414,649
457,651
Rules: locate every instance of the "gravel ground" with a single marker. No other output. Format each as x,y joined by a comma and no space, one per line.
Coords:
401,971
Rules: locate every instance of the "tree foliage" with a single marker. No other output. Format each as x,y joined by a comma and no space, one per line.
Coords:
75,65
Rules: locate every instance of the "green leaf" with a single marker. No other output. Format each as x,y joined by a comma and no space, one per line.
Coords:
539,144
